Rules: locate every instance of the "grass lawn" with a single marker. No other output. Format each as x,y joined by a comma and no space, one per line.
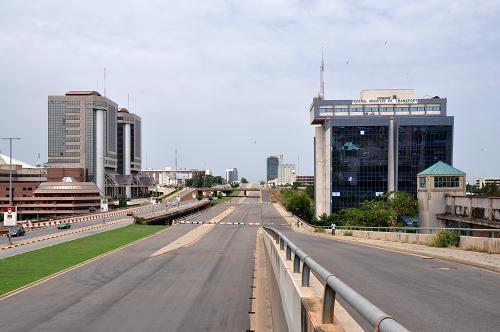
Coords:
224,198
23,269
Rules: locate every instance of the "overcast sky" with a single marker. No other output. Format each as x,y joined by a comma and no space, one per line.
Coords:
228,83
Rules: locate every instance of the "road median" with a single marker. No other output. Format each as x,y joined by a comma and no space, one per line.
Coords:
25,270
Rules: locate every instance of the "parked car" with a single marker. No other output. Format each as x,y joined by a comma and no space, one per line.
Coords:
130,213
17,231
64,226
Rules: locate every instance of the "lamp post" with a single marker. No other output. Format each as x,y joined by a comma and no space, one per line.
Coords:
11,201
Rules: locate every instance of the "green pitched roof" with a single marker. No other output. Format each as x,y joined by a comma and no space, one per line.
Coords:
441,168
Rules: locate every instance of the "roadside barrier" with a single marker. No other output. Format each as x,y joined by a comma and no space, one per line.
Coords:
333,286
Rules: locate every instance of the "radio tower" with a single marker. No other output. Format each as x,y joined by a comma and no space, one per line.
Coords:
321,79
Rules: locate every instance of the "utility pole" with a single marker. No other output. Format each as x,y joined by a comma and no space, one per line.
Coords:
11,201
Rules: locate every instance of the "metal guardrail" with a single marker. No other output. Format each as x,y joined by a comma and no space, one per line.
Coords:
333,287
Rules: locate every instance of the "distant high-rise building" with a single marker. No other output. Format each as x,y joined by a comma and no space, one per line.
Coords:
129,149
286,174
231,175
272,167
82,134
89,140
376,144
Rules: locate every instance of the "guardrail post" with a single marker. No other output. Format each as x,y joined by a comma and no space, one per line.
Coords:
296,264
282,244
305,274
288,253
328,305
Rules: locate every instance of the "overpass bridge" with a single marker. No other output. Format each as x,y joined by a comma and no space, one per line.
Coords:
226,191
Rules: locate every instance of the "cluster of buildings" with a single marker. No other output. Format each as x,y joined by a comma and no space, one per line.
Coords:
172,177
176,177
94,150
91,139
283,174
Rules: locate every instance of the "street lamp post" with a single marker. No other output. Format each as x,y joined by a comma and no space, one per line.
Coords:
11,201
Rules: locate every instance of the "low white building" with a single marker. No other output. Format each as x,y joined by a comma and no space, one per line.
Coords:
171,177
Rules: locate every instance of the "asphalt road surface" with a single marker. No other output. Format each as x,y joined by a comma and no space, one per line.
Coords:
422,294
206,286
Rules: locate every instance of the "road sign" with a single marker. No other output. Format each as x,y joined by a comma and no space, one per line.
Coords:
9,216
104,204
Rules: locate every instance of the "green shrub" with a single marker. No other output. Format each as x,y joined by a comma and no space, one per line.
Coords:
199,197
122,202
138,220
446,238
347,233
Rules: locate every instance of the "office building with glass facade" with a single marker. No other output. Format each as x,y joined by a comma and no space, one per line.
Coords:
87,134
272,167
367,147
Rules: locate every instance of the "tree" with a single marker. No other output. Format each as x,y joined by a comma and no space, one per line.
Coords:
122,202
298,203
243,180
296,184
235,185
310,192
385,211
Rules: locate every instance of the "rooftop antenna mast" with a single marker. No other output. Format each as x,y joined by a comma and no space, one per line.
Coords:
321,78
175,158
104,81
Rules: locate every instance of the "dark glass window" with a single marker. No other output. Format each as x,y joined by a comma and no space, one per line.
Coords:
420,147
359,164
446,182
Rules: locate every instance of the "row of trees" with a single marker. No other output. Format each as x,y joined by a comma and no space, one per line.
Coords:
490,189
207,181
385,211
204,181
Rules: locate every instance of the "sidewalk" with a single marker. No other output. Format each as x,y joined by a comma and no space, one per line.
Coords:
472,258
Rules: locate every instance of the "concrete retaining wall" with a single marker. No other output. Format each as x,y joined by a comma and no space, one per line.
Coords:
472,243
290,298
484,244
301,306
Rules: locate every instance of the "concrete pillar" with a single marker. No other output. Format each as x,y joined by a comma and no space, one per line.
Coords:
319,171
390,162
328,170
99,151
127,152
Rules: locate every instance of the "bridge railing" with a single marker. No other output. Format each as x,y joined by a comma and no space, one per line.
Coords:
303,263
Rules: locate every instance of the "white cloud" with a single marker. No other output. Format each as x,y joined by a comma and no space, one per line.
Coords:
248,69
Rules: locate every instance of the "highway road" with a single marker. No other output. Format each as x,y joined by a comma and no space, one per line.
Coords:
206,286
423,294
